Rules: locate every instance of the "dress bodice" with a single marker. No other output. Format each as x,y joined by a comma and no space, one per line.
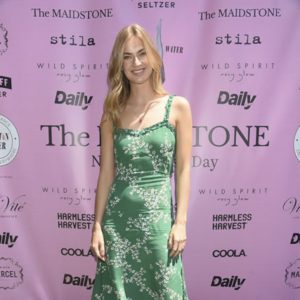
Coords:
147,151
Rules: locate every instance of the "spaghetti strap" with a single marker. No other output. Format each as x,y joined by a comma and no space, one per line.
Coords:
168,106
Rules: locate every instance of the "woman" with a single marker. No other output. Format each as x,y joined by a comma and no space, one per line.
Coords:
143,131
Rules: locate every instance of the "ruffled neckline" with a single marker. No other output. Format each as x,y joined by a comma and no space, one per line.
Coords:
146,129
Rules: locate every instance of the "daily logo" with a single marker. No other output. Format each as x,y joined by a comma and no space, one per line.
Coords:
295,238
9,141
242,99
83,280
231,282
11,273
292,274
8,239
78,99
3,39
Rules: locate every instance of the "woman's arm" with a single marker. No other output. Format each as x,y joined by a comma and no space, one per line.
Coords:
105,179
183,120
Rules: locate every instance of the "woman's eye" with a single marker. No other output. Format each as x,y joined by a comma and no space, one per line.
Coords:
126,57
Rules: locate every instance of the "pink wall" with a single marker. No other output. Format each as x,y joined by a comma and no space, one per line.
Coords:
238,64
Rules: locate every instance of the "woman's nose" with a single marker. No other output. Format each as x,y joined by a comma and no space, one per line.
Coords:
136,61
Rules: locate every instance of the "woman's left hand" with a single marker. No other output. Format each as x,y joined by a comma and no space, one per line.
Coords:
177,239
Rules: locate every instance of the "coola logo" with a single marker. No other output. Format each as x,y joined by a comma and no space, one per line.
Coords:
233,282
78,99
83,280
241,99
228,253
295,238
75,252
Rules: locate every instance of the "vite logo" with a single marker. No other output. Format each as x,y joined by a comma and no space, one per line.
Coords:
295,238
83,280
233,282
7,239
78,99
241,99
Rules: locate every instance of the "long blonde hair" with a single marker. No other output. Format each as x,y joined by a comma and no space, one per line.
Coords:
118,84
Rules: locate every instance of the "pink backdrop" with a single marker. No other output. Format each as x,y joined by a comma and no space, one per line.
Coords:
238,64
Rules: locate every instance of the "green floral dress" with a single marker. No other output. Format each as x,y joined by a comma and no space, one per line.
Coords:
138,218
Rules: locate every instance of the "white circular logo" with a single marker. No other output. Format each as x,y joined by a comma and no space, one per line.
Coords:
9,141
297,144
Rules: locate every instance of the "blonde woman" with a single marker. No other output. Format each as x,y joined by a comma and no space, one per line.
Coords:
136,236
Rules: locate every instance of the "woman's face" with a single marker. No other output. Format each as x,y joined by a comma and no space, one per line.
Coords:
136,65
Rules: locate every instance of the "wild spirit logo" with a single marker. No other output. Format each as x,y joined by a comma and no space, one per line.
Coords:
3,39
11,273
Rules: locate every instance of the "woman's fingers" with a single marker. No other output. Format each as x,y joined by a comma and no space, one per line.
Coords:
177,247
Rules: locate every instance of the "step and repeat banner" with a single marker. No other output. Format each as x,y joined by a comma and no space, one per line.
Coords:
238,64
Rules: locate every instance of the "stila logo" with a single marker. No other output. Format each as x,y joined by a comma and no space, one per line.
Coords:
242,99
72,40
78,99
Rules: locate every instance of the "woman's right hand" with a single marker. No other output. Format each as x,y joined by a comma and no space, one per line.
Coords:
97,243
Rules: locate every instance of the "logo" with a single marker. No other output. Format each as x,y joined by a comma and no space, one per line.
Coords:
73,13
8,239
75,220
156,4
230,221
11,273
292,207
240,13
234,136
238,39
297,144
83,280
75,252
159,46
3,39
11,207
295,238
233,196
78,99
71,72
292,274
9,141
5,83
72,196
232,282
242,99
228,253
73,40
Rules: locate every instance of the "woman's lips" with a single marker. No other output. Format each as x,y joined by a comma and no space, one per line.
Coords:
138,71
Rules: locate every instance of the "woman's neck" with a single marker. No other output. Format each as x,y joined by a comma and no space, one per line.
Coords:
141,94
